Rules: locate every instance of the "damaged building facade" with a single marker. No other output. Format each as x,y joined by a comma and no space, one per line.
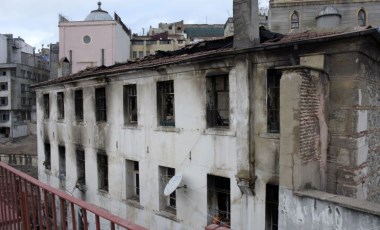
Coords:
267,132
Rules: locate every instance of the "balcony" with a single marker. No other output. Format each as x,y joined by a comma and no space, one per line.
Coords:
26,203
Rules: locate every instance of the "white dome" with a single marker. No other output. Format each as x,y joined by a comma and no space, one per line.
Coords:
98,15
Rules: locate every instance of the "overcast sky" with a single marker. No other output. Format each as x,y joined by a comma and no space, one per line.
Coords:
36,21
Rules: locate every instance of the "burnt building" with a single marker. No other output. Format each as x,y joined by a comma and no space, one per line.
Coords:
266,131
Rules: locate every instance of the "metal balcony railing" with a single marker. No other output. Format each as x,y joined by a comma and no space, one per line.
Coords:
26,203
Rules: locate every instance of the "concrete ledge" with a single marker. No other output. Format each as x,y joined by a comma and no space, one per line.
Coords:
343,201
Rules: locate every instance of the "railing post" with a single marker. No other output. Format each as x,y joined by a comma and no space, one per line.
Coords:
73,221
25,218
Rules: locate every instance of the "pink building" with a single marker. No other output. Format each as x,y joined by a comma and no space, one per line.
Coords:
98,40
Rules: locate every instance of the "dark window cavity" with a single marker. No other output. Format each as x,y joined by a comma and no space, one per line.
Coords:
60,105
101,107
218,101
362,21
271,207
46,106
130,104
102,161
62,162
47,162
3,86
165,103
294,20
78,98
218,200
273,101
3,101
133,180
81,172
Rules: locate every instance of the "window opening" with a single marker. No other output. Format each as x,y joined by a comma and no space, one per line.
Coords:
165,103
167,203
3,86
60,105
295,20
102,160
101,108
218,101
47,162
362,18
130,104
46,106
78,105
133,180
271,207
81,173
3,101
62,162
218,200
273,100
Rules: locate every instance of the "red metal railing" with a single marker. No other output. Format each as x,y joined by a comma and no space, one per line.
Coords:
26,203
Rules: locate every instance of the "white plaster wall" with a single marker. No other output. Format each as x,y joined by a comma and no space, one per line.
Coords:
212,151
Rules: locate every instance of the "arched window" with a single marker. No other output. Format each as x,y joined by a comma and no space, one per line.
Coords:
362,18
294,21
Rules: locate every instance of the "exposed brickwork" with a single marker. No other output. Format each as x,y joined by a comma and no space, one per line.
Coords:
309,130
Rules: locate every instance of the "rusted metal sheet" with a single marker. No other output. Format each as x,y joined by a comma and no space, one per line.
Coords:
26,203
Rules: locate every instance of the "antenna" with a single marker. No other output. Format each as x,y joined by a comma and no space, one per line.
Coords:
173,183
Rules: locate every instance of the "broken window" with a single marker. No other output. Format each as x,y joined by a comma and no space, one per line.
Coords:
218,200
271,207
273,100
218,101
102,161
60,105
294,20
3,101
46,106
62,162
78,98
133,180
81,173
101,107
362,18
3,86
165,103
47,162
130,104
167,203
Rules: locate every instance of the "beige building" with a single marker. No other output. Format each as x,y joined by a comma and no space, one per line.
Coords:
293,15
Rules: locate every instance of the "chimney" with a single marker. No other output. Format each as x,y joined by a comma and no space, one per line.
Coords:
246,23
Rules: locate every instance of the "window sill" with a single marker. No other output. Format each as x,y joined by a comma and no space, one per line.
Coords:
167,215
48,172
82,123
61,121
101,123
133,203
132,126
167,129
219,132
270,135
104,193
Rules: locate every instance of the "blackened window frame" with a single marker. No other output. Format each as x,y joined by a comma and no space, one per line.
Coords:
130,104
47,162
219,200
273,100
101,104
216,116
78,100
81,167
60,105
46,106
166,103
102,163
